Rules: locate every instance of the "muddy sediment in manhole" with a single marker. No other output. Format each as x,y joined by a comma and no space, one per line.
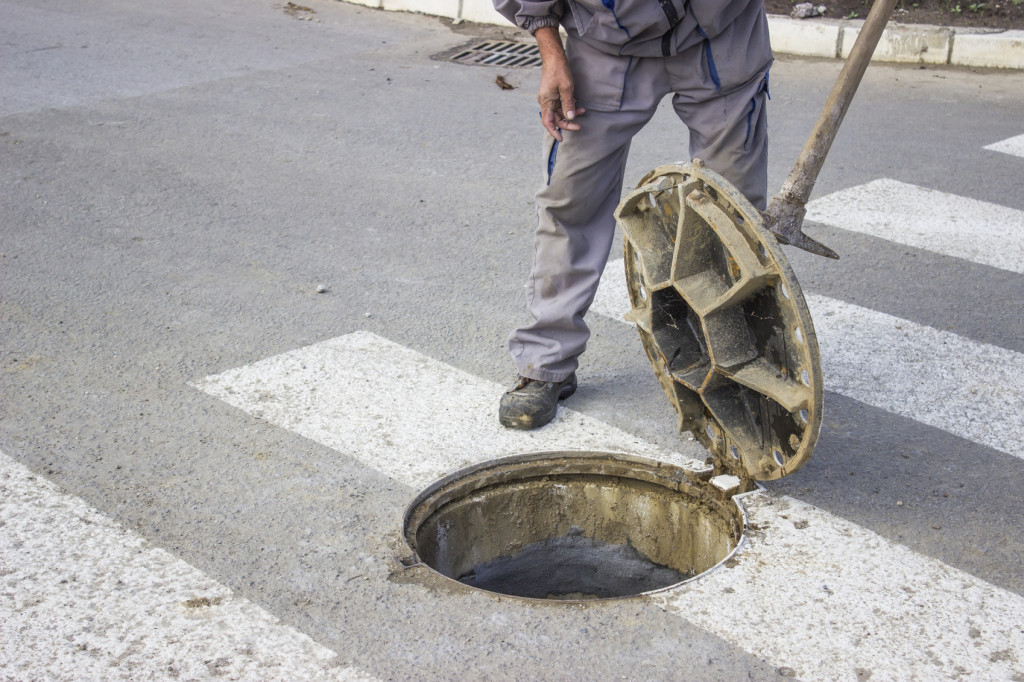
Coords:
572,525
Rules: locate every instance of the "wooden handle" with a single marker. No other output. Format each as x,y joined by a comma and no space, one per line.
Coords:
785,214
800,182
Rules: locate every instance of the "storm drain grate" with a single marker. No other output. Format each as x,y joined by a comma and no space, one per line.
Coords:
499,53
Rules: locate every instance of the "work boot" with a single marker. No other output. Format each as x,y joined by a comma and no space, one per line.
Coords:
531,403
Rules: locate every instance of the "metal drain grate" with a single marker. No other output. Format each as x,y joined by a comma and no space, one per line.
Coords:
499,53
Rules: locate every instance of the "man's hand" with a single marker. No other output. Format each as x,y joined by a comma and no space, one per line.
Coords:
558,109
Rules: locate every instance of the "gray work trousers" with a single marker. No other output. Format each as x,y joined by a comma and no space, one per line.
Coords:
725,115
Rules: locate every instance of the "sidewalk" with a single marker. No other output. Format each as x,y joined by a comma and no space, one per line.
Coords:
829,38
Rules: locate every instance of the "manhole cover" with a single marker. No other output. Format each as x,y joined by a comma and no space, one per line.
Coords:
723,321
573,525
499,53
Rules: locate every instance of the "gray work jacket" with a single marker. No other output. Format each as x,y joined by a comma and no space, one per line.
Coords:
636,28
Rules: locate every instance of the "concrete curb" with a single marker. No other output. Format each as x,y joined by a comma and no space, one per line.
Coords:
829,38
907,43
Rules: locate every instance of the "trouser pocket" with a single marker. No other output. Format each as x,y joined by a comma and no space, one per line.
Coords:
599,79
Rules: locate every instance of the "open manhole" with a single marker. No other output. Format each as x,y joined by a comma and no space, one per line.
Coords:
573,525
505,53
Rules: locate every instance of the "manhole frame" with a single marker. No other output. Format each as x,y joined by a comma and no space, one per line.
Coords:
509,468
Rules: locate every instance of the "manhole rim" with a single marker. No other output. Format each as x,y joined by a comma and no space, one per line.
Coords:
695,479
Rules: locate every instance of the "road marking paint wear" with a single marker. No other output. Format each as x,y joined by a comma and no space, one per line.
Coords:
1014,146
82,598
811,592
927,219
970,389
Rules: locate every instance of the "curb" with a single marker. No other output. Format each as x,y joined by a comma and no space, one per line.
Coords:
828,38
905,43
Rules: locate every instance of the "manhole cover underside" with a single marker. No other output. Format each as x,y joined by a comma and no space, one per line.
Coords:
723,321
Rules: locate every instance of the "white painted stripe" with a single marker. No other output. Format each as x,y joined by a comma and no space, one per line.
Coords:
834,601
81,598
974,390
927,219
1014,146
412,418
970,389
824,600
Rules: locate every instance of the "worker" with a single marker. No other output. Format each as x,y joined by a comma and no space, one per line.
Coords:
619,60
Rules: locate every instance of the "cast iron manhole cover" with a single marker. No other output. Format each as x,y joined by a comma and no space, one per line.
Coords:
723,321
499,53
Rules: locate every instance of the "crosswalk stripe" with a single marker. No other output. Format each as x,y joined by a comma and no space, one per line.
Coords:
970,389
974,390
428,421
927,219
809,591
834,601
1014,146
82,598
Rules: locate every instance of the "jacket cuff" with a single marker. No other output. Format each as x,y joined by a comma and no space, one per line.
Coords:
531,24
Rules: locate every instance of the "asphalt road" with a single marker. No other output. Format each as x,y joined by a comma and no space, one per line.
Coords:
179,179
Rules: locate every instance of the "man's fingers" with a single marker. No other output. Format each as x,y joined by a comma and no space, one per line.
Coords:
549,119
556,118
568,99
568,121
